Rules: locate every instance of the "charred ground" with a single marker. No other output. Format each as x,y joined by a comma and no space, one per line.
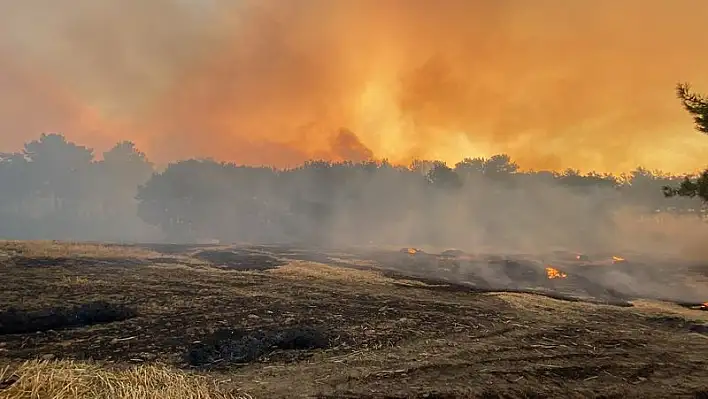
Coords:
282,321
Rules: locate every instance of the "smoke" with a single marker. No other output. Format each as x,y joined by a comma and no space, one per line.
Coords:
585,84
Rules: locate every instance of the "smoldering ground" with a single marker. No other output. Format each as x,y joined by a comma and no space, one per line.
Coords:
517,214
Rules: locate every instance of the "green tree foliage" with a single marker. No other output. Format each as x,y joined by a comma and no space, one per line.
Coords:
697,106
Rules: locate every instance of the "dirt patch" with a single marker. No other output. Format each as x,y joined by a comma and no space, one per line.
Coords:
239,260
14,321
233,347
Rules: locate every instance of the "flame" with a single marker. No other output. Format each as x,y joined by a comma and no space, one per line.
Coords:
704,306
617,259
411,251
554,273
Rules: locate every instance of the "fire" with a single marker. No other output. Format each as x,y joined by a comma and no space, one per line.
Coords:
581,257
411,251
553,273
704,306
617,259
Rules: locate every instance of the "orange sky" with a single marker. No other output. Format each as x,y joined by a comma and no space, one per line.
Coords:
587,84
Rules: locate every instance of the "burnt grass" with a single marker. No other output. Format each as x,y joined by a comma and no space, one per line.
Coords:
16,321
227,347
423,326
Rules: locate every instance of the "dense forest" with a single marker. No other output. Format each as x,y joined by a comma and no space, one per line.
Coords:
57,189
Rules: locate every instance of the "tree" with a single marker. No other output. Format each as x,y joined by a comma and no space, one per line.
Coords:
118,175
206,199
421,166
500,166
470,168
442,176
16,187
58,168
691,188
127,163
497,167
697,106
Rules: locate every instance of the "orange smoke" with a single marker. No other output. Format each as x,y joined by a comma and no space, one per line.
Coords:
585,84
39,105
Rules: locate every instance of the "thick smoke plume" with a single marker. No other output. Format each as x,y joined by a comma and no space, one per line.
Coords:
585,84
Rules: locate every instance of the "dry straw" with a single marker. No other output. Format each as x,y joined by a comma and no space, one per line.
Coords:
71,380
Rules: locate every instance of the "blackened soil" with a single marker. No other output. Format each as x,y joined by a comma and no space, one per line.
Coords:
15,321
228,347
48,261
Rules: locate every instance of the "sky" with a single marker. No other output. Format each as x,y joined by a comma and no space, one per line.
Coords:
587,84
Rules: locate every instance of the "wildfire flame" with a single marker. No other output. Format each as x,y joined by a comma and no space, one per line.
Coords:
704,306
411,251
553,273
617,259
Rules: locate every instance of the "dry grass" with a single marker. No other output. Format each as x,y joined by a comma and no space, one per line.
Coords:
541,306
321,272
547,309
77,281
671,309
56,249
69,380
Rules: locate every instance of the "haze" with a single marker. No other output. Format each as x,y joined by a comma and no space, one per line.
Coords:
586,84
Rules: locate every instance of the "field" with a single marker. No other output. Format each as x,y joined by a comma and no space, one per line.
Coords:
84,320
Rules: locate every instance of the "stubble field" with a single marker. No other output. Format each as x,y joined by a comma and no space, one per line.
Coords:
85,320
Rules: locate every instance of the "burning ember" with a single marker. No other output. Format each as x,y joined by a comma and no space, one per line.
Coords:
704,306
411,251
582,257
554,273
617,259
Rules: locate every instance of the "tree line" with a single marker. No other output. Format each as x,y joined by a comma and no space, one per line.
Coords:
57,189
